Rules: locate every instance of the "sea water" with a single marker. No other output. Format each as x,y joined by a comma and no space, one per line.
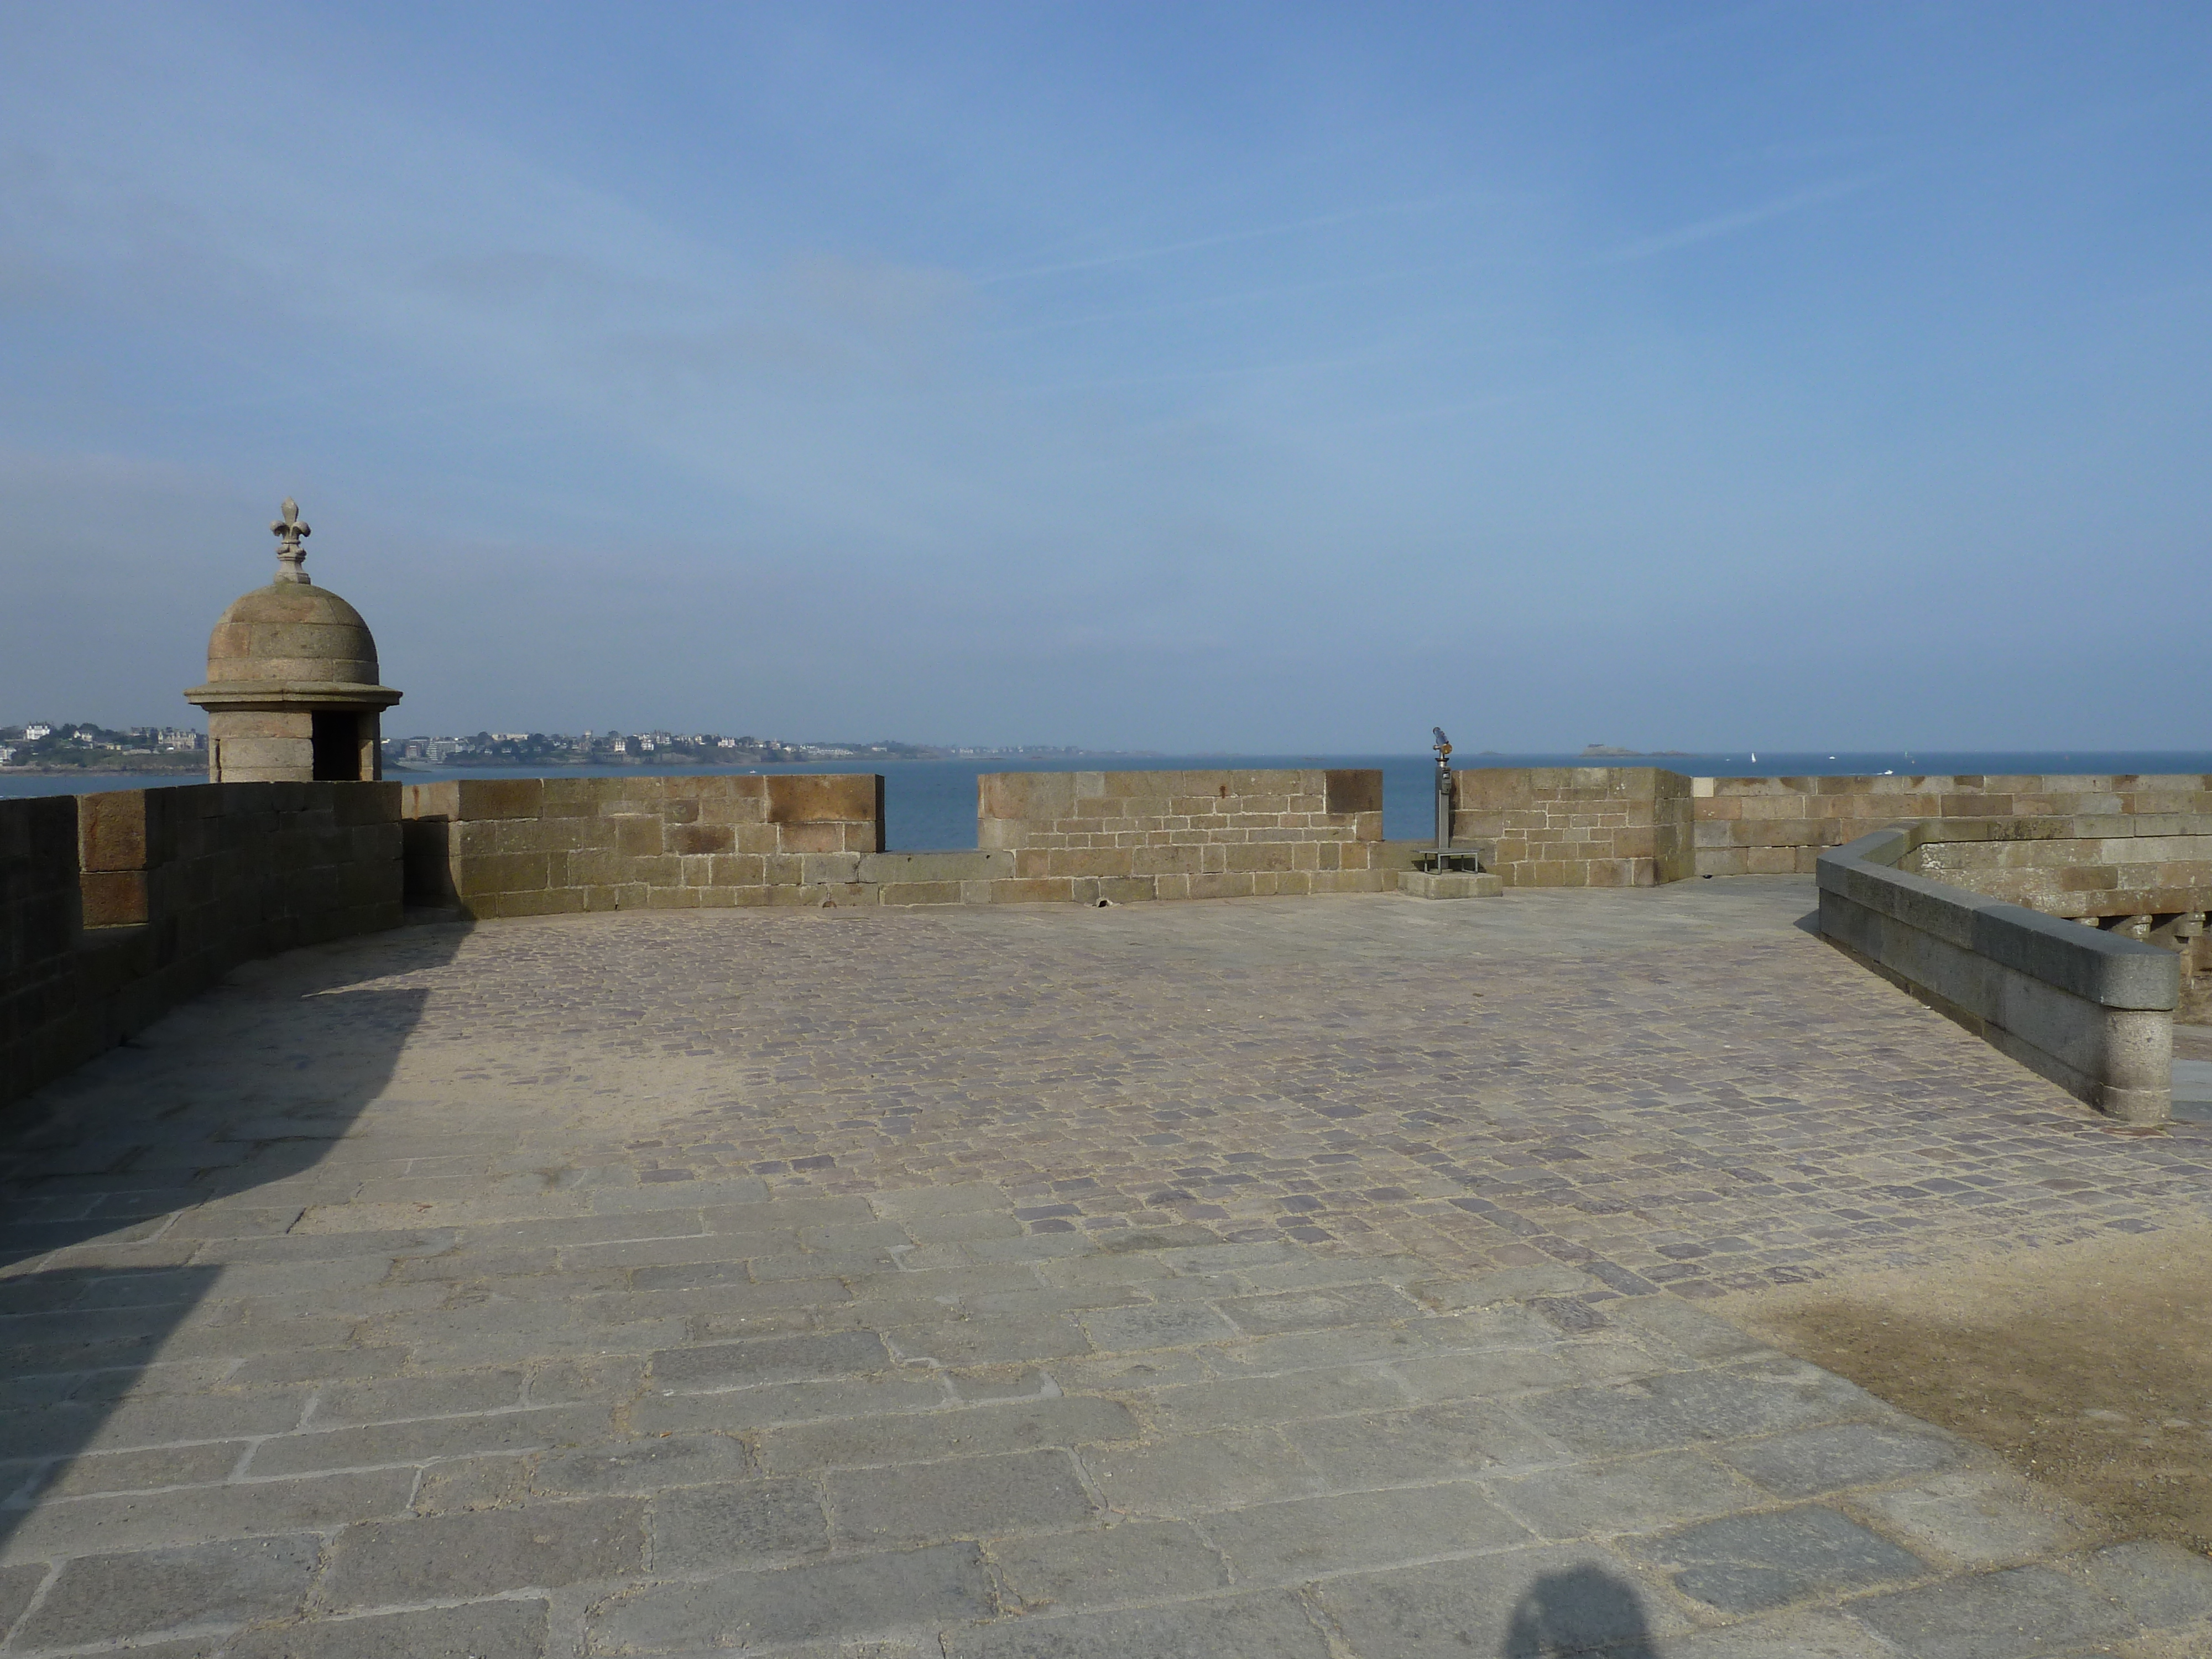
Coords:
930,804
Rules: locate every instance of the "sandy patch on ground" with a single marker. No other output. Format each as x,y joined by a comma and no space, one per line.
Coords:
2087,1366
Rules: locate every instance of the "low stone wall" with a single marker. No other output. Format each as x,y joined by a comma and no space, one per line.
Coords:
2134,866
543,845
2089,1009
41,911
1576,826
1125,837
533,846
1779,826
114,907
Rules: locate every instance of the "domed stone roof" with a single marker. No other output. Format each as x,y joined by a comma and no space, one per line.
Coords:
292,630
291,644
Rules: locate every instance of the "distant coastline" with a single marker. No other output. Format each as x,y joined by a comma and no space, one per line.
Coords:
159,766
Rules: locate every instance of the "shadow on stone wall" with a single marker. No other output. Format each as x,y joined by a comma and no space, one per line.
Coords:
110,1252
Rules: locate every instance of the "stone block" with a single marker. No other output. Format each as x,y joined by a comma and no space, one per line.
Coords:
482,1630
112,831
1745,1563
503,872
932,867
1289,1541
484,1553
979,1430
811,836
1995,1615
1185,1474
644,1465
920,1590
1039,889
716,1528
102,1599
958,1498
1449,1437
1975,1518
770,1359
1681,1408
1171,1325
1290,1396
18,1585
390,1445
536,835
1317,1309
1273,1625
1134,1561
637,836
114,898
795,798
1355,792
500,797
1626,1496
922,892
1449,884
2162,1586
188,1514
1812,1462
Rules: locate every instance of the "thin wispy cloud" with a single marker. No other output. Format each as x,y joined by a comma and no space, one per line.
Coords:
1255,295
1319,221
1727,224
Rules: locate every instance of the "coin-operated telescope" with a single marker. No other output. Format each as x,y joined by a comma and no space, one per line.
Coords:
1444,856
1444,792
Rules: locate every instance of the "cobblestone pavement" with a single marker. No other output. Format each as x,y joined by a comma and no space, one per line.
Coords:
1268,1279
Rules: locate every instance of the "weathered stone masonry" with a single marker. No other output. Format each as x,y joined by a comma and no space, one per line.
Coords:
1132,835
1576,826
114,907
1779,826
531,847
545,846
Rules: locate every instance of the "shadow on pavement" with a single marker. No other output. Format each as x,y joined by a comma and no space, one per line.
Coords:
107,1247
1583,1610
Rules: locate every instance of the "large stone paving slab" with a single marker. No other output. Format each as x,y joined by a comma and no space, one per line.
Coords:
688,1285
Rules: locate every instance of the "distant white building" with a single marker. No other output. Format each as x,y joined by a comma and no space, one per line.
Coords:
729,742
32,732
7,753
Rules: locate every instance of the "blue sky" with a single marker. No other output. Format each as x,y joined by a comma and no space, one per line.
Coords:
1271,378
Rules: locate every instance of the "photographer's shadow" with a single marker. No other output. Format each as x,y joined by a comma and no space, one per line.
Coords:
1583,1610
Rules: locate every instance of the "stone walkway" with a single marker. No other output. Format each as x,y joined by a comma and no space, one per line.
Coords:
1269,1279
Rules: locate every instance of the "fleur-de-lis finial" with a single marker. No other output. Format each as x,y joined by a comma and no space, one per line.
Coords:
289,533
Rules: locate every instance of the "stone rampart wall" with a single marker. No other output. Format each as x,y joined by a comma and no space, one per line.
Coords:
2089,1009
114,907
543,845
41,918
533,846
2134,867
1134,835
1779,826
1576,826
